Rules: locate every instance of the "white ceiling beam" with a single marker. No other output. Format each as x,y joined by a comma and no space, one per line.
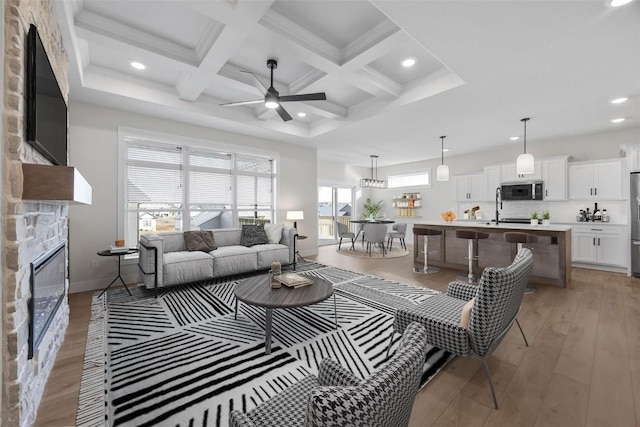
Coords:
106,31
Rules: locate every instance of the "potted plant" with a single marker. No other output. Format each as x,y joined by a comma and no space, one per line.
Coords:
371,209
534,218
546,218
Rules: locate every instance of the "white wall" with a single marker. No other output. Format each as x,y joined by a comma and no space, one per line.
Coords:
93,150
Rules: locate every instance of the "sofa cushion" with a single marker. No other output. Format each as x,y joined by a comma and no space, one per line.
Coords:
271,252
200,240
185,267
227,236
233,259
274,232
253,235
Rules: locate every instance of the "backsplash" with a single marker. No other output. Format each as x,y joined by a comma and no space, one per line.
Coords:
561,211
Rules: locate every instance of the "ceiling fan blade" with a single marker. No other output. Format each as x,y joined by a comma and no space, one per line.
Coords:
283,113
320,96
233,104
257,83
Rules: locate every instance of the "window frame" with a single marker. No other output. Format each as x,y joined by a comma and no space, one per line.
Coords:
195,144
426,171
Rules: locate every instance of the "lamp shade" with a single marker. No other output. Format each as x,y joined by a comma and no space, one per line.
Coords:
295,215
442,173
525,164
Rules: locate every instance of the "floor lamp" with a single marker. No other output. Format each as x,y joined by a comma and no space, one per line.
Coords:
295,216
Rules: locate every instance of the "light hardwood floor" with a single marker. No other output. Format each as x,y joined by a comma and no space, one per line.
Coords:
582,367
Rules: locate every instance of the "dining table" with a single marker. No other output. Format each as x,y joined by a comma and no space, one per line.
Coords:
362,223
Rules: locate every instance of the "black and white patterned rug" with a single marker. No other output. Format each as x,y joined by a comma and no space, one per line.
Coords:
182,359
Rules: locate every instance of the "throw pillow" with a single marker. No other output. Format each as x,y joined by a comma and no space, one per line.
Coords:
200,240
274,232
466,313
254,235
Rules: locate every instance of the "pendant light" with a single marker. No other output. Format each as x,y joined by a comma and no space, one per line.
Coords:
442,173
373,182
525,162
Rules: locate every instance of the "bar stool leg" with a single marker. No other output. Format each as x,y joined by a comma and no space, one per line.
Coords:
426,269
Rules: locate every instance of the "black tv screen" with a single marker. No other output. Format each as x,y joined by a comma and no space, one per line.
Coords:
46,109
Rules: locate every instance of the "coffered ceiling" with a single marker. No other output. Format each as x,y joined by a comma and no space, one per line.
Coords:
480,67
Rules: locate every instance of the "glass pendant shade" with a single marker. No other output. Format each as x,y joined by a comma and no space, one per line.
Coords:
442,173
525,164
373,182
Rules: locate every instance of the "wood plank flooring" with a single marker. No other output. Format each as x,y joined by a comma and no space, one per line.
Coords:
582,367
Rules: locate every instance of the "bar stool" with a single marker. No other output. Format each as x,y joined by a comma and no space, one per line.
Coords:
519,239
472,238
425,232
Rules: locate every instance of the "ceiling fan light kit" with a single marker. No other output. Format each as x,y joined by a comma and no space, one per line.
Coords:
525,163
442,172
272,98
373,182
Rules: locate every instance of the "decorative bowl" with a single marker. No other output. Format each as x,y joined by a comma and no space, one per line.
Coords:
448,216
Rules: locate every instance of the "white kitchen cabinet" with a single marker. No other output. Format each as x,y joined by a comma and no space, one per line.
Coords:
596,180
599,244
493,179
509,173
470,187
554,175
633,158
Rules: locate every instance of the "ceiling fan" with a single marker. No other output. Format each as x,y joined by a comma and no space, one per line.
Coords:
272,98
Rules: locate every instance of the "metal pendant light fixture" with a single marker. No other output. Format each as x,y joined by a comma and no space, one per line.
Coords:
373,182
442,173
525,163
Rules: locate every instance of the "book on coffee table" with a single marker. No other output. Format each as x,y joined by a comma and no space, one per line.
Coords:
293,280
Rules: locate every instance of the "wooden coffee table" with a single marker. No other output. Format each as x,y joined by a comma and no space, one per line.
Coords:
257,291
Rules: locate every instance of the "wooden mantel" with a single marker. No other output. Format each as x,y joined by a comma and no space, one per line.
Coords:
54,183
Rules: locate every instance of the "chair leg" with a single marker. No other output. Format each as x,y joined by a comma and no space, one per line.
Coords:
384,251
353,242
340,243
493,392
522,332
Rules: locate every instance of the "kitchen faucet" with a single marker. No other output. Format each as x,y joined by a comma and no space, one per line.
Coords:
498,198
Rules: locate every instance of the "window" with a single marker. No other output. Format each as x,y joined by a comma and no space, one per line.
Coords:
422,179
168,187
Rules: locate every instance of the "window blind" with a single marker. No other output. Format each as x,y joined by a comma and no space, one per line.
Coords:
153,174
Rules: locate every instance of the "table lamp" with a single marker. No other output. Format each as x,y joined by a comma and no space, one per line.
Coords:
295,216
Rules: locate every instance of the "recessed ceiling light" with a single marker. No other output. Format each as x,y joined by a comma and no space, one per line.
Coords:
138,65
302,114
616,3
618,120
514,138
409,62
445,150
618,100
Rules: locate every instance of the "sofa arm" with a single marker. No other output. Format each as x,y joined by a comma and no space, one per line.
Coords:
239,419
150,260
462,290
331,373
288,235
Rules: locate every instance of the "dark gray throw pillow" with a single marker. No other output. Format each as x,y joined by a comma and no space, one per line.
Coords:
200,240
254,235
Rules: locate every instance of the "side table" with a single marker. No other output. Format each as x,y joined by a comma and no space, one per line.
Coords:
296,252
119,255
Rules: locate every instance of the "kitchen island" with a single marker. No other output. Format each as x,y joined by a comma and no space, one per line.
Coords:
552,251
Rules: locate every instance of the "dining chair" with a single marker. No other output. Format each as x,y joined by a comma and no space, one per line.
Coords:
375,233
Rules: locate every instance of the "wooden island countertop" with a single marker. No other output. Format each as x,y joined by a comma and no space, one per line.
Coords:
552,252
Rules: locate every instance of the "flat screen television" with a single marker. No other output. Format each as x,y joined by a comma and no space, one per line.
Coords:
46,109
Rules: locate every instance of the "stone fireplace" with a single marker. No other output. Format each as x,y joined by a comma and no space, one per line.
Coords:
29,228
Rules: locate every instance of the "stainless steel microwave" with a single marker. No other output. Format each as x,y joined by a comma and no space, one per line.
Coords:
521,190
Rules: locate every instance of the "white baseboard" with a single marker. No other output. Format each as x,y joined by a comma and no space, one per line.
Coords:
99,284
600,267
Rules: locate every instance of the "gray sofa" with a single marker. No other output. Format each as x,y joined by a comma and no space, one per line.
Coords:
165,261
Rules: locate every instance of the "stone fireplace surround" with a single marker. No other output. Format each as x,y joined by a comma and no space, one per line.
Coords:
29,228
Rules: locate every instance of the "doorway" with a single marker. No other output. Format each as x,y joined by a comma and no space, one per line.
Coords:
334,203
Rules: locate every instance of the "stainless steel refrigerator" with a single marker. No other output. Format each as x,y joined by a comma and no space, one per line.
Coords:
634,199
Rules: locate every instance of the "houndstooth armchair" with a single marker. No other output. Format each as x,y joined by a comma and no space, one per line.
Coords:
338,398
497,301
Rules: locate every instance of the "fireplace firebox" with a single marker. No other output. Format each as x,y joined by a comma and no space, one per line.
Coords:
47,292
